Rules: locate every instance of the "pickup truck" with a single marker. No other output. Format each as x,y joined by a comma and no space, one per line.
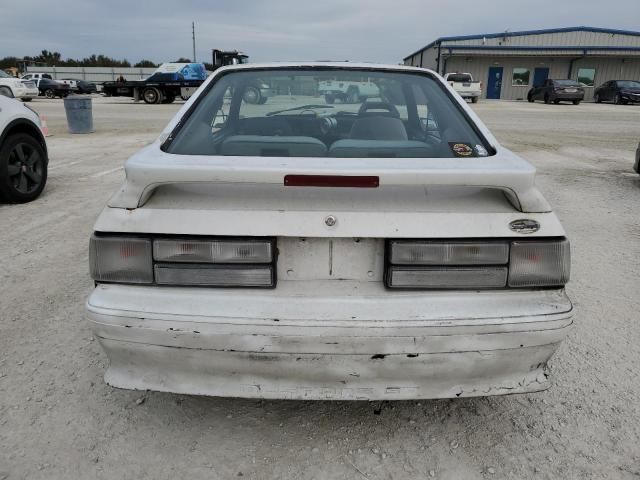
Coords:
346,91
464,85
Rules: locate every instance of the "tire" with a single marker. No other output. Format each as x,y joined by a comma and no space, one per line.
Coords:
530,98
151,96
596,98
619,100
27,99
474,99
23,168
184,97
252,96
547,100
330,99
49,93
353,95
556,102
263,100
169,99
6,92
577,102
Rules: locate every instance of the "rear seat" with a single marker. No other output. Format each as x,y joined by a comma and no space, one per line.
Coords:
268,146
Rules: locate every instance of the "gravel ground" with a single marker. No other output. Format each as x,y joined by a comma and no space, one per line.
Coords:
59,420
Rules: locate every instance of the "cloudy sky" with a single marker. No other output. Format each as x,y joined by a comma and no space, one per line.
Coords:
365,30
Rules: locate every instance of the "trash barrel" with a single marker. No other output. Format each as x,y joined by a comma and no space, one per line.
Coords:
79,113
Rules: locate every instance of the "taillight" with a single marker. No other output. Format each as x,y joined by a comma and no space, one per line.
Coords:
425,264
120,259
194,261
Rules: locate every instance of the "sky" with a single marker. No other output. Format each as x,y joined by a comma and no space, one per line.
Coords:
382,31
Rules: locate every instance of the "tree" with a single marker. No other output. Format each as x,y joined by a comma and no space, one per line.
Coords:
145,64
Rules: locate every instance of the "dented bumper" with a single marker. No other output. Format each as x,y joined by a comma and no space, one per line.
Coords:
344,342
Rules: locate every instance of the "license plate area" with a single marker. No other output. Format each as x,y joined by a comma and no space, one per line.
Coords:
570,90
360,259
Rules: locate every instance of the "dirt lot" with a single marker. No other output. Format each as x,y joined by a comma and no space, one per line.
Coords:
59,420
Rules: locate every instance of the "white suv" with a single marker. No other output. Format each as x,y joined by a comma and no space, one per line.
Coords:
391,249
17,88
23,153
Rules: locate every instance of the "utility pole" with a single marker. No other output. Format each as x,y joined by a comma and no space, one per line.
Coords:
193,36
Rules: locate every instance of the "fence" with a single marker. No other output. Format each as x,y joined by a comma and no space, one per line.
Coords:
94,74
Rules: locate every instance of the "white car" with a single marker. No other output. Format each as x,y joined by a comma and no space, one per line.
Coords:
464,85
304,250
23,153
347,91
13,87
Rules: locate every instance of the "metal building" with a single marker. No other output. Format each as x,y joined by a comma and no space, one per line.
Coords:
510,63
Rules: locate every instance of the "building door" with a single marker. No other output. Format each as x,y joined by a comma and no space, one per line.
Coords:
540,74
494,85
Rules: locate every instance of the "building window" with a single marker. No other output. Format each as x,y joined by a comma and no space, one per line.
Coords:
587,76
521,77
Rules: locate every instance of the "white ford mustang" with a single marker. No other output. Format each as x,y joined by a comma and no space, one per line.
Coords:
389,249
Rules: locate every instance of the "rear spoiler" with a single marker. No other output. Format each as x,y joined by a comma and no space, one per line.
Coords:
151,168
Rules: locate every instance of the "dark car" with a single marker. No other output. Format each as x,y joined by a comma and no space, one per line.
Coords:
619,92
51,88
557,91
82,86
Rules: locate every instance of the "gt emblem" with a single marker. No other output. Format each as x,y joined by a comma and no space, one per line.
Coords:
330,221
524,225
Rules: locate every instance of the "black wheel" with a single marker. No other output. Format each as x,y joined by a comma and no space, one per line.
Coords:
6,92
530,98
547,100
49,93
577,102
263,100
169,99
252,96
556,101
27,99
330,99
151,95
184,97
23,168
353,95
619,100
474,99
596,98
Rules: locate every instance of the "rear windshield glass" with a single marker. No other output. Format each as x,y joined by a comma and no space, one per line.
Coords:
327,113
567,83
459,77
628,84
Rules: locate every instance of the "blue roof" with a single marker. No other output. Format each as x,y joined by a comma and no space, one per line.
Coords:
526,32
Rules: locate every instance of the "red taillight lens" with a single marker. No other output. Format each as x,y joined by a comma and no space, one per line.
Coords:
340,181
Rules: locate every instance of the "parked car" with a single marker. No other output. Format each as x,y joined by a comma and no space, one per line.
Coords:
23,153
464,84
80,86
619,92
392,250
556,91
51,88
13,87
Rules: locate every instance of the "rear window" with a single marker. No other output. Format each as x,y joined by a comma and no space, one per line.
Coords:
567,83
459,77
323,112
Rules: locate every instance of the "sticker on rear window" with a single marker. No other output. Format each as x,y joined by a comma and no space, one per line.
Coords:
481,151
461,149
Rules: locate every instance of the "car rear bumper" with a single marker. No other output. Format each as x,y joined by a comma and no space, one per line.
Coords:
569,96
280,344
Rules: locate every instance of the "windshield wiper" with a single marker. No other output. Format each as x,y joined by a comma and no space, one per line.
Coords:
303,107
